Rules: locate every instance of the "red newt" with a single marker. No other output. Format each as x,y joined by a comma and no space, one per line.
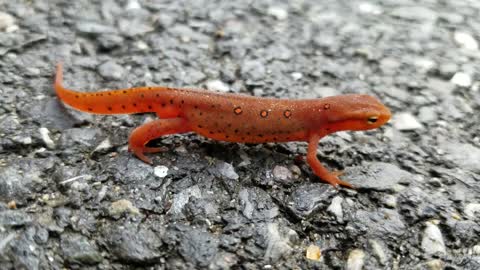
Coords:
232,117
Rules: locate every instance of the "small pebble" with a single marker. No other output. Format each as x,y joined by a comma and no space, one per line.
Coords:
45,135
282,173
476,250
406,121
278,13
313,253
335,208
217,85
390,201
7,22
378,251
355,260
121,207
435,264
12,205
227,170
160,171
133,4
472,209
432,239
461,79
369,8
111,71
103,146
465,40
296,76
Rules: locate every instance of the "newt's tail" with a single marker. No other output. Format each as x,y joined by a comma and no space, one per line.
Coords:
122,101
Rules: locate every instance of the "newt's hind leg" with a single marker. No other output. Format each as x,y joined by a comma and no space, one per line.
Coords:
317,167
151,130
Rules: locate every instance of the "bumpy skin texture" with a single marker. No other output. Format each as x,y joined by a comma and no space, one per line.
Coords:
231,117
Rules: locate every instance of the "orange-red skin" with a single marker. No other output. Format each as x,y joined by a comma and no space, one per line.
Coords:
232,117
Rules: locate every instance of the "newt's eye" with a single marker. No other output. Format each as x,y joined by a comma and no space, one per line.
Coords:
372,119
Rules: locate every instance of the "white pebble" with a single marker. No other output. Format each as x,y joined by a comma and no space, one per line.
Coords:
369,8
45,135
432,240
355,260
217,85
160,171
461,79
390,201
278,13
379,251
282,173
104,145
406,121
7,22
133,4
465,40
227,170
335,208
296,75
476,250
471,209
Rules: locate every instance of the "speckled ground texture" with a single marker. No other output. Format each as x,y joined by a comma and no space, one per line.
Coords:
71,196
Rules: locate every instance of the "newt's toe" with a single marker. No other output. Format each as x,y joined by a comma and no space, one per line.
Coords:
333,180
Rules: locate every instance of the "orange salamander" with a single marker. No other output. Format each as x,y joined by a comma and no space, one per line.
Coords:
232,117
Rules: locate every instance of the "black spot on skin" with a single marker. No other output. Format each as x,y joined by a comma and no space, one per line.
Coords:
109,108
229,125
171,101
196,107
123,107
76,96
109,93
149,107
90,109
200,113
274,138
212,106
243,138
163,104
211,132
149,88
124,91
183,101
134,104
248,133
260,135
200,126
157,95
101,95
236,130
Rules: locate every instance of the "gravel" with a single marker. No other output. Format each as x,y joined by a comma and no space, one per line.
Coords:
72,196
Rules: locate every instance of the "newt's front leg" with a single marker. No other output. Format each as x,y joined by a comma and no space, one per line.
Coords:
318,168
152,130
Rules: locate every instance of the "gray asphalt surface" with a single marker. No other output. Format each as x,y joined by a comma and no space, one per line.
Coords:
72,197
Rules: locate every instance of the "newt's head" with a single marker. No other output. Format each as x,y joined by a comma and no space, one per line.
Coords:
354,112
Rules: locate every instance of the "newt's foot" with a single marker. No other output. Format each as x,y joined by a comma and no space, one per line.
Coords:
333,180
139,152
